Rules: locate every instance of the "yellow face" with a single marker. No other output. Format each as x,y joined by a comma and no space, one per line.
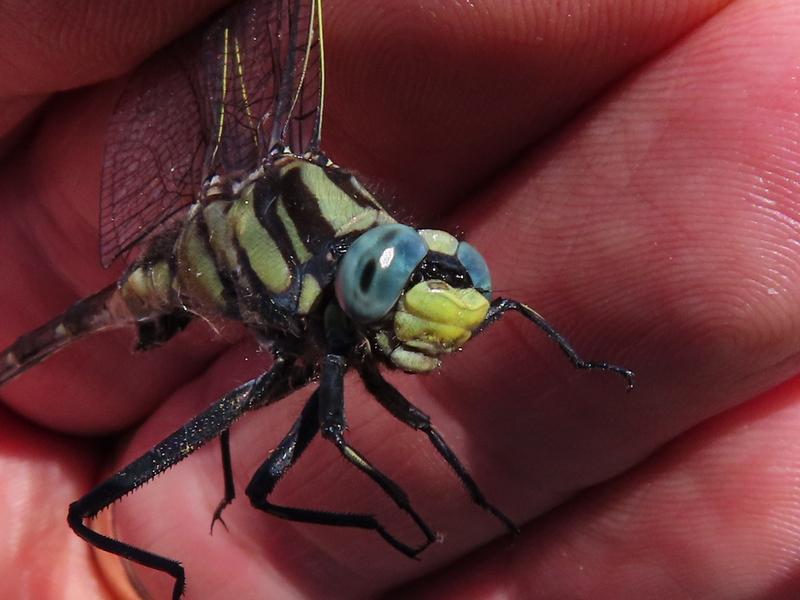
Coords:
433,318
437,318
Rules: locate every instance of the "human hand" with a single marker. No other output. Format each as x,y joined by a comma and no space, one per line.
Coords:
657,228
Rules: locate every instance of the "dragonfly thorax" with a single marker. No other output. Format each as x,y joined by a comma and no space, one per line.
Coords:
262,251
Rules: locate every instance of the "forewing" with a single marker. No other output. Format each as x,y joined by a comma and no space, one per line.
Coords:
239,79
212,104
298,105
154,152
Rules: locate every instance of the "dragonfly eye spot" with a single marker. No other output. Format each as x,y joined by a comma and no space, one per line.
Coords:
367,276
376,269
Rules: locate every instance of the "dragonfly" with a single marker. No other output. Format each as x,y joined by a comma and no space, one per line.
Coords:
216,191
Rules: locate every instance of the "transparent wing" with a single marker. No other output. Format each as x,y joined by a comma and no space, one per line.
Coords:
154,154
262,71
299,105
214,103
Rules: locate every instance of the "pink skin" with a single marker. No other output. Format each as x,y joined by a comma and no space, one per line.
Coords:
629,169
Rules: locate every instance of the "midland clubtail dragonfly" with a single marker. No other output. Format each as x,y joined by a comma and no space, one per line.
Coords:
240,215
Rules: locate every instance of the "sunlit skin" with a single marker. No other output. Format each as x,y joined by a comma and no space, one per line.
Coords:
631,170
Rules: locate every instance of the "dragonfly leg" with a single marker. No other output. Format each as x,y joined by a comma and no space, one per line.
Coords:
332,425
227,474
502,305
318,410
212,422
391,399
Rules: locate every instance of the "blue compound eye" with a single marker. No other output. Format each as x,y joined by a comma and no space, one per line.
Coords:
476,267
376,269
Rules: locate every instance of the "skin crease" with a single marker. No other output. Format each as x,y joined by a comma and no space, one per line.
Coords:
629,169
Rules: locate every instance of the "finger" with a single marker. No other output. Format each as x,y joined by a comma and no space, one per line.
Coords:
41,474
530,432
446,95
49,48
658,232
714,514
55,215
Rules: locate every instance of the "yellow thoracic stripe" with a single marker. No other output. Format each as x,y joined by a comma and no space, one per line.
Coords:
300,250
342,212
309,292
262,251
198,276
220,235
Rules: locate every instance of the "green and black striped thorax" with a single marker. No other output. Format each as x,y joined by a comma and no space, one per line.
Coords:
299,237
266,249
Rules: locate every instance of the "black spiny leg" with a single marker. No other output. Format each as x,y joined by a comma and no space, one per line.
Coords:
227,474
332,424
218,418
403,410
502,305
291,448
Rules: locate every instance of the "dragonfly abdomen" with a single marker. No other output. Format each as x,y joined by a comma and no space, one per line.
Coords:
144,297
102,310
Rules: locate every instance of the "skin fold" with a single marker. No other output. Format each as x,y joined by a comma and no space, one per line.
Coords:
631,170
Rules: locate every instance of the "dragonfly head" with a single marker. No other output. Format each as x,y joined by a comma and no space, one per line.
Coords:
420,293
